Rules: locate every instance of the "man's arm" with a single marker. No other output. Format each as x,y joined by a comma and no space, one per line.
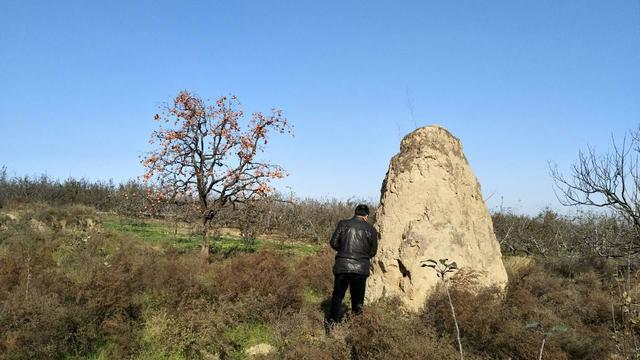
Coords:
335,238
374,242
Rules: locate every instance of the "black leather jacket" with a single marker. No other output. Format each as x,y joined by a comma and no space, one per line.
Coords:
356,242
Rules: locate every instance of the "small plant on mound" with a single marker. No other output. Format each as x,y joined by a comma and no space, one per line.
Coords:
442,268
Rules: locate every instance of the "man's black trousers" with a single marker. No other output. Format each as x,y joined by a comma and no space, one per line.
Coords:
356,284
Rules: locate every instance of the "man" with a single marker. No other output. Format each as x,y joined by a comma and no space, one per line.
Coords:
356,243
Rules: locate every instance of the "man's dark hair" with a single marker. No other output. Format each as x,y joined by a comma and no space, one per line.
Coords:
362,210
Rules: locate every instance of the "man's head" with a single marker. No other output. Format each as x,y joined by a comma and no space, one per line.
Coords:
362,211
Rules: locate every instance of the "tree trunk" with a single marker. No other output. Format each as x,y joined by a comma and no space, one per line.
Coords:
204,251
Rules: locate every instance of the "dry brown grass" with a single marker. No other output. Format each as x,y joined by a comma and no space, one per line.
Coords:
82,291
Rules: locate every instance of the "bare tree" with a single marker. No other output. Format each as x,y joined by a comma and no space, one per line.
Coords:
205,153
610,180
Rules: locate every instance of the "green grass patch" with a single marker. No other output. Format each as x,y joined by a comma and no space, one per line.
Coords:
290,247
158,233
99,355
246,335
157,337
313,296
152,231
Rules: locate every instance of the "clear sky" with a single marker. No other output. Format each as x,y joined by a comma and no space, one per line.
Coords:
521,83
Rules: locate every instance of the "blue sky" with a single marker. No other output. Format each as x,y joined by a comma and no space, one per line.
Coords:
521,83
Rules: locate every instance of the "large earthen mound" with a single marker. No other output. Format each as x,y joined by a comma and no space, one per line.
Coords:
431,207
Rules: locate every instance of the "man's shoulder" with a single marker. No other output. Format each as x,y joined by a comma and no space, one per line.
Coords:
355,222
342,223
369,227
349,221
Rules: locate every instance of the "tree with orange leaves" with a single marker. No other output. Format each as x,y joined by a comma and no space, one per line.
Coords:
204,152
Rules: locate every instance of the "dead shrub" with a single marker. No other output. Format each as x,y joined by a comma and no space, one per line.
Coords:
263,276
179,279
494,324
387,332
42,326
322,349
316,271
71,291
40,317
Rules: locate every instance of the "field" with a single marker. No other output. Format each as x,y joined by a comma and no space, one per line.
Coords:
157,233
80,284
172,174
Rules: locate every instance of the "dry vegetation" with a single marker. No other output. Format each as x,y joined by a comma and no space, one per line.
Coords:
73,286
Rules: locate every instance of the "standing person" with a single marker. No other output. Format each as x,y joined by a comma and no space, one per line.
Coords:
356,242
